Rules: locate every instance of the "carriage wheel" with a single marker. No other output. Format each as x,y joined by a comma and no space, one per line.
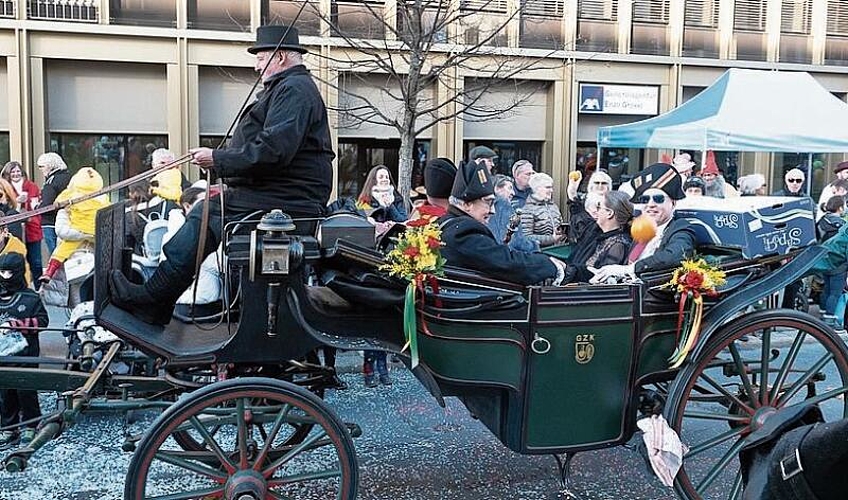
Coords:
750,368
245,459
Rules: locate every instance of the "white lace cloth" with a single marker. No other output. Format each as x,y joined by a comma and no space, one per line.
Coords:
665,450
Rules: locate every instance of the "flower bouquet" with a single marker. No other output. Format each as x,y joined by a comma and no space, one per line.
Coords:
693,280
416,258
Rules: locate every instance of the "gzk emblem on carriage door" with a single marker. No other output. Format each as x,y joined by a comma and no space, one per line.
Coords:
584,348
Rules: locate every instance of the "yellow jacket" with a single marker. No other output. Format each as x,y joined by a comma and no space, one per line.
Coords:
82,214
168,185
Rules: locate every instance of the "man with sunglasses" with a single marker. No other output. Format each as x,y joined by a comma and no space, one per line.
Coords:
470,244
793,183
657,190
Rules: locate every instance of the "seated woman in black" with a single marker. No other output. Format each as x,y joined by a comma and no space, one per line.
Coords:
610,245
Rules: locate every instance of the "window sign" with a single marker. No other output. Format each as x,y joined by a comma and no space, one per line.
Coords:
619,99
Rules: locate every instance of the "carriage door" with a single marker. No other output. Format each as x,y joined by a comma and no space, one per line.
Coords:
580,365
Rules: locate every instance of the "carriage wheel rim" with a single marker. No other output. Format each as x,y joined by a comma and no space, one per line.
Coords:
764,401
343,466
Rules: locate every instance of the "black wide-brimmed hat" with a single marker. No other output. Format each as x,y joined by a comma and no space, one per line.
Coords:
660,176
267,38
472,182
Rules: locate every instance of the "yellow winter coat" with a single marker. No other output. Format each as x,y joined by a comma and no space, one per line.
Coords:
167,185
82,214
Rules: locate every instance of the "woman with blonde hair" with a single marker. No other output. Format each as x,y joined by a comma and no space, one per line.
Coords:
28,197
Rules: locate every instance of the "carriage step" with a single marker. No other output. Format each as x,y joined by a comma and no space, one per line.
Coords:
354,429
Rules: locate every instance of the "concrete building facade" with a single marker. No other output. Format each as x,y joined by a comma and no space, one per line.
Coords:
105,82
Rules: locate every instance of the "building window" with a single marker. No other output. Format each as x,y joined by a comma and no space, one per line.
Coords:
749,26
509,152
362,19
224,15
430,16
620,164
597,25
115,157
5,150
143,12
700,28
541,24
285,12
795,39
57,10
649,32
836,45
357,156
484,22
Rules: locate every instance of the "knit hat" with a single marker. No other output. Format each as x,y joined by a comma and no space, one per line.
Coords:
472,182
658,176
439,174
710,166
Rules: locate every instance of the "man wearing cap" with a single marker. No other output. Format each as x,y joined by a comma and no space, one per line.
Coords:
279,156
657,189
483,155
841,172
439,174
470,244
522,170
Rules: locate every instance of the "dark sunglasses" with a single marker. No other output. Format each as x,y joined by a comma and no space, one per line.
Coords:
795,181
599,183
644,199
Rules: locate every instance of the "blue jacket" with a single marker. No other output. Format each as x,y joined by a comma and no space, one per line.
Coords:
499,222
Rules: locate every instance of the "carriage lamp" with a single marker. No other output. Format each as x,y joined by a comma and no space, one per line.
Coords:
272,250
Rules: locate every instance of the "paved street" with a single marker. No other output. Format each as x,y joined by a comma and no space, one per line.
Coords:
410,449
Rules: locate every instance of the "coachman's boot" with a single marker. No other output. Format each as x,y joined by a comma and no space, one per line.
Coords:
153,302
52,267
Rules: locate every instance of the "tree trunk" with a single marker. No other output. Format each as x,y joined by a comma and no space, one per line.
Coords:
405,163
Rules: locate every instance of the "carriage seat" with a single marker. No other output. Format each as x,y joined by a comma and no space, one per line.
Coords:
352,272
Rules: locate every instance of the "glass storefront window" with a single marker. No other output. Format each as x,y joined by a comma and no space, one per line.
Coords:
143,12
357,156
620,164
115,157
509,152
5,149
224,15
285,12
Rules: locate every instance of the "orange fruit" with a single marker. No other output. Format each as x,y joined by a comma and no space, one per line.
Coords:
643,229
575,176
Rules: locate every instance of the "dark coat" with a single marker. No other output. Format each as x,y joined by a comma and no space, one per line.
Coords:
471,245
678,243
786,192
828,226
607,249
520,196
55,183
280,154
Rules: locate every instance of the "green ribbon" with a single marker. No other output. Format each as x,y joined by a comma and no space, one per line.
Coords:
410,324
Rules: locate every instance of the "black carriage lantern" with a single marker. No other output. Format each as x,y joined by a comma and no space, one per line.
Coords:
272,250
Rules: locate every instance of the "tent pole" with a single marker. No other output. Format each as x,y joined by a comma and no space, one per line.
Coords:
809,174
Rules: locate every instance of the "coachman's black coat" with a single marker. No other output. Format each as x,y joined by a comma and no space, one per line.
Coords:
280,154
471,245
678,243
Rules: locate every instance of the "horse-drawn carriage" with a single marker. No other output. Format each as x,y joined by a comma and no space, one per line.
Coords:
548,370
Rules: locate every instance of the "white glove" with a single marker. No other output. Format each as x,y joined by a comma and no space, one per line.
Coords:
613,273
571,190
560,265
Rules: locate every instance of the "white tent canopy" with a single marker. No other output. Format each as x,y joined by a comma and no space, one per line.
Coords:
745,110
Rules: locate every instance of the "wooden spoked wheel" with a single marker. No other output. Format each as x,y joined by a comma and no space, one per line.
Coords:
246,458
750,369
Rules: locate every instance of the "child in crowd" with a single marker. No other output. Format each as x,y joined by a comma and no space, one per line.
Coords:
20,309
81,215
